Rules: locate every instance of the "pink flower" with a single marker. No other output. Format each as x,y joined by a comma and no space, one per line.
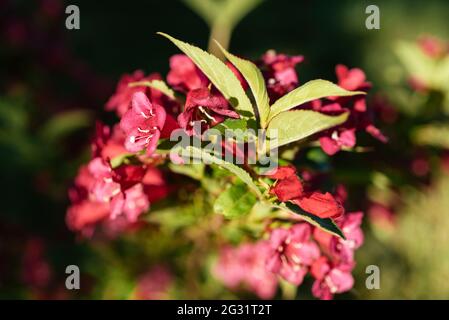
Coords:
330,279
353,80
142,124
323,205
104,188
85,215
132,202
102,192
282,172
120,187
292,251
184,75
209,108
121,99
360,117
433,47
350,225
246,265
279,73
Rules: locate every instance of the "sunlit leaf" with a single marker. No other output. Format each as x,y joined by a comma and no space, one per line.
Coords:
239,172
235,201
327,224
219,74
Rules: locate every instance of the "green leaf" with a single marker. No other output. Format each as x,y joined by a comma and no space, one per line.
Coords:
312,90
239,172
219,74
235,201
117,161
436,135
239,128
194,170
255,81
231,124
65,123
327,224
295,125
158,85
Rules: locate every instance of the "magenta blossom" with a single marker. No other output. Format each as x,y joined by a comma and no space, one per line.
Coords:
330,279
108,143
339,139
246,265
279,73
209,108
184,75
142,124
292,251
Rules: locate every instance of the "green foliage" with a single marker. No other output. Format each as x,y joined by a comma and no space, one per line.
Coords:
232,124
235,201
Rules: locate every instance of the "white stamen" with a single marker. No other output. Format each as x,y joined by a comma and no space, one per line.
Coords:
206,114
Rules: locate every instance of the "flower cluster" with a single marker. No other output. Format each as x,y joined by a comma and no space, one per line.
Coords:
360,116
291,253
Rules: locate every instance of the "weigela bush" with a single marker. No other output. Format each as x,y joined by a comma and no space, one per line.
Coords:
256,225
